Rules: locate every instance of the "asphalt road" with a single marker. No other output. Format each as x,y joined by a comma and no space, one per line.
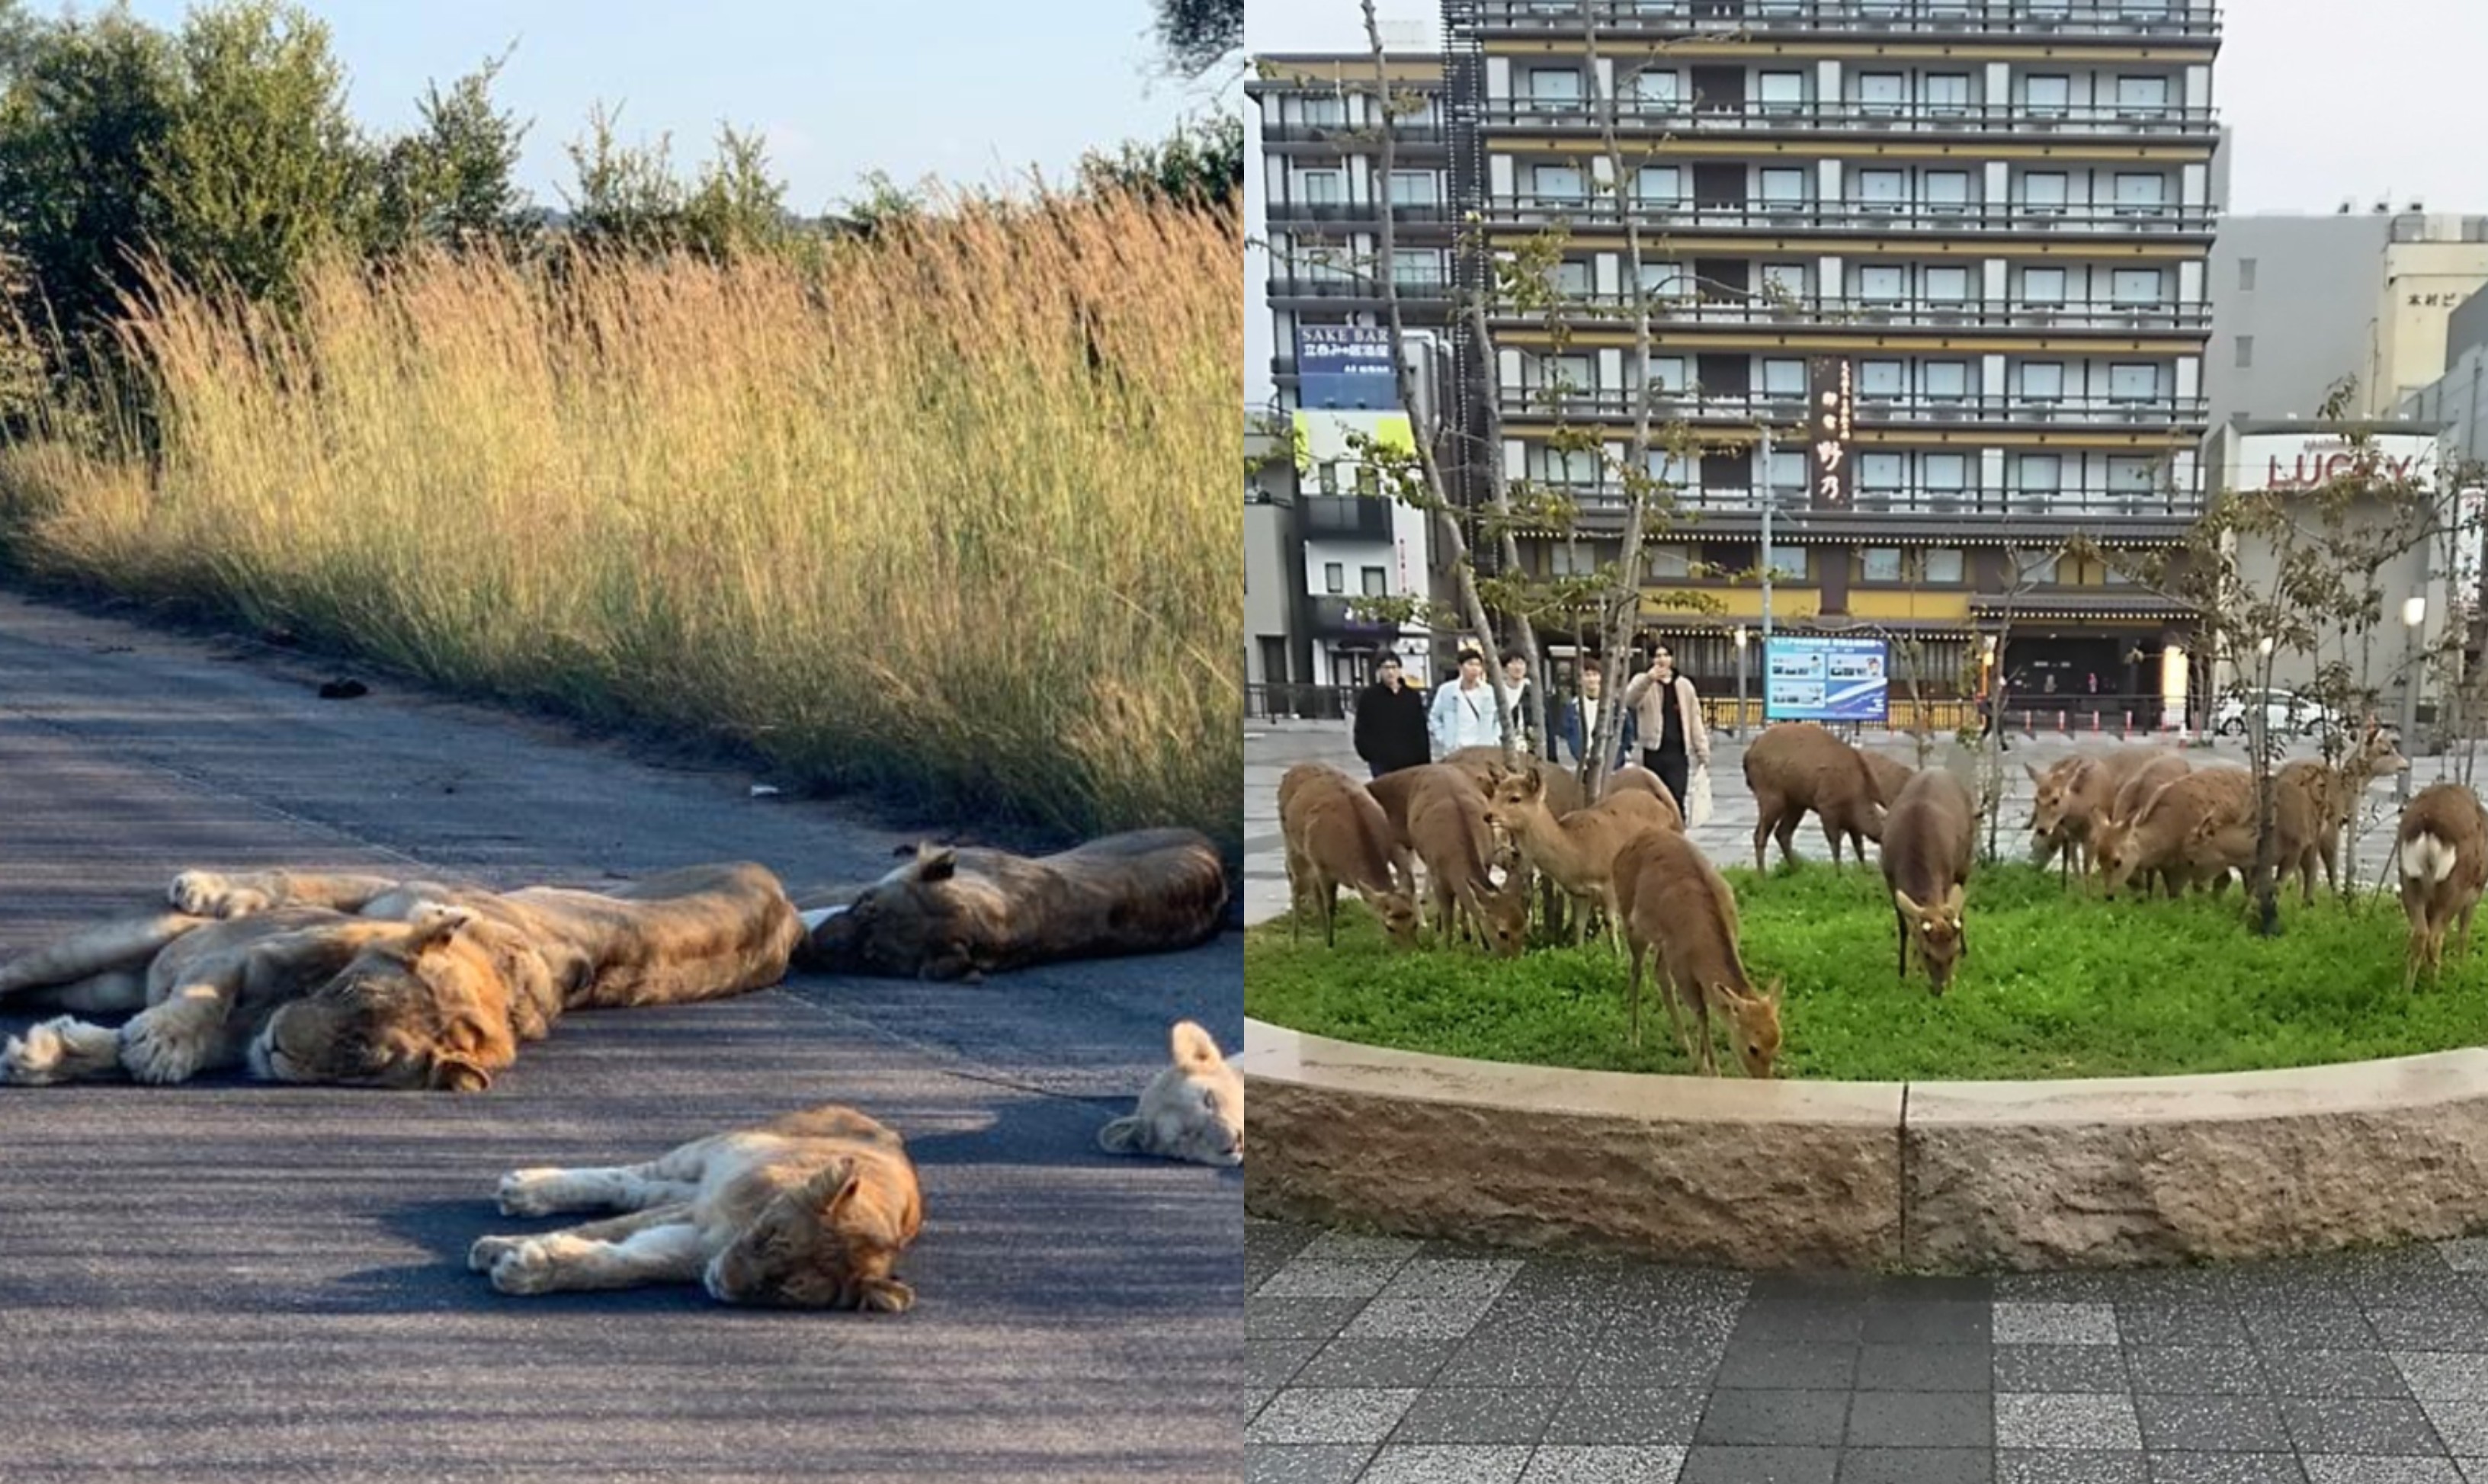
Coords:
234,1282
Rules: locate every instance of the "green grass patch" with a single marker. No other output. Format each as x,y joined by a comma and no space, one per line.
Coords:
2054,986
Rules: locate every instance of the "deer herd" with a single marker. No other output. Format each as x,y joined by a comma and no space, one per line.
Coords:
1500,844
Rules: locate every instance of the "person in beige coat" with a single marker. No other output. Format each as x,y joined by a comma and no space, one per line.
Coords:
1668,716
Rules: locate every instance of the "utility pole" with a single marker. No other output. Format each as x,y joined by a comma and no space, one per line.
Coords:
1770,498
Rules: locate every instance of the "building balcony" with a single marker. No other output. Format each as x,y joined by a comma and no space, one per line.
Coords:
1354,211
1919,219
2040,21
1342,517
1879,315
1573,116
1603,503
2117,414
1432,290
1354,138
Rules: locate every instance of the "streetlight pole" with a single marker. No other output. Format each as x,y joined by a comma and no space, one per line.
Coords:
2413,614
1741,680
1770,498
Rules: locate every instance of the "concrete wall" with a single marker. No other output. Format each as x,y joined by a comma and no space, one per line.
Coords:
2308,317
2424,283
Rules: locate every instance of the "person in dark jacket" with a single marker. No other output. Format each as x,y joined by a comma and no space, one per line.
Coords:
1391,721
1581,719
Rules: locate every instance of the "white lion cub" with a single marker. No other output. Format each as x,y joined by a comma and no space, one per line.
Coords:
1192,1110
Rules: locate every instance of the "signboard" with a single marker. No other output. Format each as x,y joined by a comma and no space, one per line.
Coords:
1345,367
2309,460
1831,409
1825,678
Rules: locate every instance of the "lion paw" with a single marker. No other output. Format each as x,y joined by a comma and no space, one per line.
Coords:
524,1269
33,1059
153,1050
489,1250
207,894
527,1193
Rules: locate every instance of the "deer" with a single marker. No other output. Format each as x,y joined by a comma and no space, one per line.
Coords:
2112,827
1447,827
1797,766
2185,832
1930,837
1676,901
1337,835
1578,851
2441,854
2333,792
2073,799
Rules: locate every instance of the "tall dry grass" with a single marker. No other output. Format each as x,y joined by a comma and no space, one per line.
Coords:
953,513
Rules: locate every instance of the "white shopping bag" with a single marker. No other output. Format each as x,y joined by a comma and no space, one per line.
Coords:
1697,808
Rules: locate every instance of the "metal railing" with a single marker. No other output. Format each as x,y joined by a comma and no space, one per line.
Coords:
1287,210
1849,115
1977,217
1353,137
1436,286
1596,496
1762,308
1872,410
2038,19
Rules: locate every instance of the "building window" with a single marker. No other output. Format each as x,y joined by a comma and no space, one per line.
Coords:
1880,472
2040,473
1783,378
2042,380
2134,286
1941,566
1947,285
1556,182
1947,189
1781,92
1881,378
2129,476
2133,382
1945,381
1661,184
1329,109
1667,374
2039,566
1656,90
2142,95
1947,94
1787,469
2140,194
1784,187
1567,465
1378,582
1882,284
2043,192
1672,470
1670,563
2245,275
1572,277
2245,351
1947,473
1569,373
1879,564
1326,480
1322,187
2047,97
1335,576
1554,88
2043,286
1417,265
1786,561
1882,94
1882,190
1414,187
1784,279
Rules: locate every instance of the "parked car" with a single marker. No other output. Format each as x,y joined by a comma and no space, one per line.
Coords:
2284,712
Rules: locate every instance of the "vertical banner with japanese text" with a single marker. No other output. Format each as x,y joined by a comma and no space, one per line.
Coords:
1831,406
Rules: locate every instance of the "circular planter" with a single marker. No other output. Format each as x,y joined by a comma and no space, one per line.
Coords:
1938,1176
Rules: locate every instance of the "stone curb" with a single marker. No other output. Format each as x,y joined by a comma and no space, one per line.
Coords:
1944,1176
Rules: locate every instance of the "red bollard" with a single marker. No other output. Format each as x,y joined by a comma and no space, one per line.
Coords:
2095,723
2128,733
2060,722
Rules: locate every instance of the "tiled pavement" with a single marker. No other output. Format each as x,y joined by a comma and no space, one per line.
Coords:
1380,1360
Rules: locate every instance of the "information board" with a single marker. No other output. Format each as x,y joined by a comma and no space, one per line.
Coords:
1825,678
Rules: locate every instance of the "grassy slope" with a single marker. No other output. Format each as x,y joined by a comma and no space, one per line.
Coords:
2053,988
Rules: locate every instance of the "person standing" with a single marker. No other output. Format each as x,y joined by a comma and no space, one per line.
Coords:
1391,720
1581,719
1664,707
1463,713
1524,707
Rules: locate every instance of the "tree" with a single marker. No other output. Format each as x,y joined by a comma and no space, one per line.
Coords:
1201,163
738,207
453,181
1195,34
261,169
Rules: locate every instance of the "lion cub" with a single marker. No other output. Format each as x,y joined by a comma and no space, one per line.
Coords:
1191,1110
807,1211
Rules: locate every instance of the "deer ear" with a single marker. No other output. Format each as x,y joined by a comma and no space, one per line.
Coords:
1955,900
1900,898
2032,769
1773,993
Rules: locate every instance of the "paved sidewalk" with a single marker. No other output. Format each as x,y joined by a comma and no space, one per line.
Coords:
1379,1359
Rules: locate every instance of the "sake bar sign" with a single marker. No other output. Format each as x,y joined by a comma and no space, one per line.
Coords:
1832,406
2311,460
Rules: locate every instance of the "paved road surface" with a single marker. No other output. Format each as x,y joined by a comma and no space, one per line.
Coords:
238,1282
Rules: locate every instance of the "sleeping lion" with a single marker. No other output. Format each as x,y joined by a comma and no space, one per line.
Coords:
1193,1109
807,1211
383,983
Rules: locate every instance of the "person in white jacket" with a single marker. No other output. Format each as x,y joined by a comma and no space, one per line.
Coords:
1463,714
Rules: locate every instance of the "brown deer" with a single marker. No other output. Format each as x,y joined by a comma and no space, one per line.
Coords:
1797,766
2441,854
1577,851
2074,796
1447,830
2333,792
2112,825
1486,768
1890,775
1337,835
2183,831
1633,779
1930,837
1676,901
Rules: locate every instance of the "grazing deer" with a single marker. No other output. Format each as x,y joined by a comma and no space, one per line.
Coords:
2442,856
1447,830
2184,832
1633,779
1797,766
1335,835
1676,901
1578,851
2334,794
1930,837
2110,829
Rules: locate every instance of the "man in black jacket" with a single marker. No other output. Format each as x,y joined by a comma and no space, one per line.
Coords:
1391,721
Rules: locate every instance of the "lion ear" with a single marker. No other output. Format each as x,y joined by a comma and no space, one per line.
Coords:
936,864
1121,1136
433,925
459,1074
1192,1047
829,1190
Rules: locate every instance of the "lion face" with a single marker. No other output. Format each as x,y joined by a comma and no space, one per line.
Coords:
401,1014
907,923
826,1243
1192,1110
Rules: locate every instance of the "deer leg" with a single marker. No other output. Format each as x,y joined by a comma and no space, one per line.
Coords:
1901,920
1633,994
1765,815
1831,833
1326,899
1702,1023
2462,944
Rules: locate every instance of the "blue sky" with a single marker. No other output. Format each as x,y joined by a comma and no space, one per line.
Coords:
975,91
